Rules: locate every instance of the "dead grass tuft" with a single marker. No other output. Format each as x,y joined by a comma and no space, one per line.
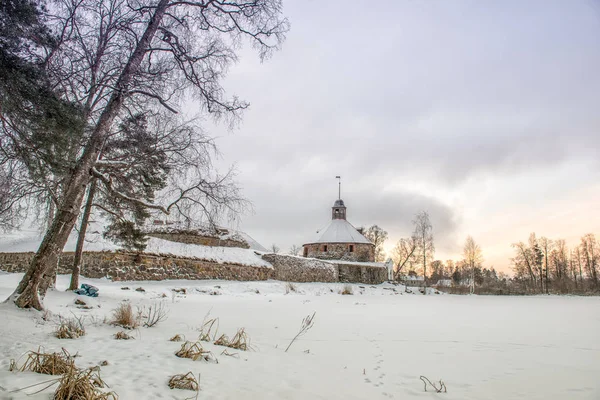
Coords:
209,329
240,341
124,316
347,290
45,363
184,381
176,338
121,335
70,328
84,384
194,351
290,287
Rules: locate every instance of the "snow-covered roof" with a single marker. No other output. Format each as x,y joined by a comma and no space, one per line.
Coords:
340,231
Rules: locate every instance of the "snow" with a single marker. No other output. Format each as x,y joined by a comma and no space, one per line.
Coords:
25,241
233,255
371,345
340,231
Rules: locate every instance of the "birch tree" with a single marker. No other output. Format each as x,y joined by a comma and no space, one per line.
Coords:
472,258
424,234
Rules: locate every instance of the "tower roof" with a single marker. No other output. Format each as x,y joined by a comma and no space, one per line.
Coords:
339,203
340,231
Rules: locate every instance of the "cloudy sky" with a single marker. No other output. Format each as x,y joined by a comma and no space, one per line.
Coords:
486,114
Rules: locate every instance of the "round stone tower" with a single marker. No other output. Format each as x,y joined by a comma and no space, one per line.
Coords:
339,240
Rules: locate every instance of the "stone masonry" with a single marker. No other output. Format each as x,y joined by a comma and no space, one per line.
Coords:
128,266
362,252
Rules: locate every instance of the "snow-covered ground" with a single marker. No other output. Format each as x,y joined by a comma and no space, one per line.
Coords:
370,345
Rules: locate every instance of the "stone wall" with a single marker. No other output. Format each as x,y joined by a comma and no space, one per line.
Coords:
120,266
363,252
298,269
370,274
126,266
192,238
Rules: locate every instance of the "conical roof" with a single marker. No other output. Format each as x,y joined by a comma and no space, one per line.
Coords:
340,231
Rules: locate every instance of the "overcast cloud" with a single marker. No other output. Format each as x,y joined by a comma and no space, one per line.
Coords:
484,113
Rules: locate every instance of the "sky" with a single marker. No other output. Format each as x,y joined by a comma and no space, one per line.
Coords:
485,114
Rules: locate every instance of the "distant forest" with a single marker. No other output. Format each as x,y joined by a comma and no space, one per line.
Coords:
540,265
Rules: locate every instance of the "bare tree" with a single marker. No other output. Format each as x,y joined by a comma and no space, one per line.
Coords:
591,257
404,254
274,248
377,236
117,58
473,258
295,250
546,246
424,234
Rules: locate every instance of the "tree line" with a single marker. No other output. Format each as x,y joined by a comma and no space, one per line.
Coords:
540,265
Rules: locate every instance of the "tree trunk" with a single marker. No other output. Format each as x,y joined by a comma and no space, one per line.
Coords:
424,268
81,238
26,294
49,278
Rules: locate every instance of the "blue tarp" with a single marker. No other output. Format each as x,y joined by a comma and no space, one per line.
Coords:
88,290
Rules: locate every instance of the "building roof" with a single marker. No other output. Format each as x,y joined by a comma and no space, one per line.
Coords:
340,231
339,203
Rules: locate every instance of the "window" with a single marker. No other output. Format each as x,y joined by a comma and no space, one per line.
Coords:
325,248
305,251
351,248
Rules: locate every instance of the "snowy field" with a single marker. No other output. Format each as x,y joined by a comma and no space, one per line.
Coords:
373,344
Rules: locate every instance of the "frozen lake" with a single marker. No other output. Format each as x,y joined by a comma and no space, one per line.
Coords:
375,343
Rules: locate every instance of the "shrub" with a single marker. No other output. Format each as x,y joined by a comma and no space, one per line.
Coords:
156,313
70,328
45,363
84,384
124,316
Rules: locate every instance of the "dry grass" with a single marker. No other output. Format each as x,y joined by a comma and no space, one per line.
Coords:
84,384
439,387
227,353
176,338
240,341
194,351
45,363
124,316
70,328
184,381
347,290
290,287
307,324
121,335
209,329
